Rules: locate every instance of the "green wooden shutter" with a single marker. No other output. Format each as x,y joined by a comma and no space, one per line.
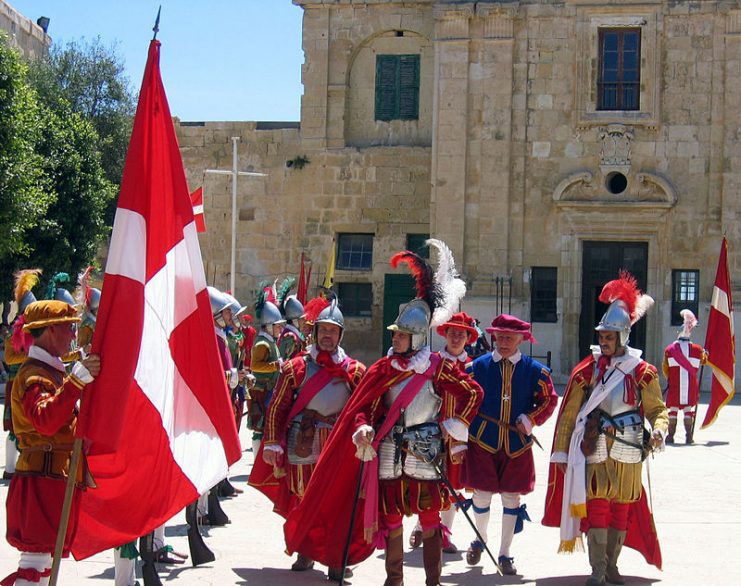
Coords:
408,87
386,88
397,87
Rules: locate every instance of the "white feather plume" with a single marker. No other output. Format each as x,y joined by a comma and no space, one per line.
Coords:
643,304
451,286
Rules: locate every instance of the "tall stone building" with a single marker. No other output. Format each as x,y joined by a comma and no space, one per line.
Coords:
27,36
549,143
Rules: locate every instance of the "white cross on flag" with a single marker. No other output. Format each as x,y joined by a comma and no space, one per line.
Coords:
158,419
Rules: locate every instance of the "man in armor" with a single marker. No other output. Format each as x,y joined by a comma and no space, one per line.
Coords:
598,448
399,429
311,391
682,362
265,364
89,300
459,333
44,399
291,341
518,395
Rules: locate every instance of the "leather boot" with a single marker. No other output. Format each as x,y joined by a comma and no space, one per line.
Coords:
395,558
432,556
302,564
597,544
672,429
615,540
689,423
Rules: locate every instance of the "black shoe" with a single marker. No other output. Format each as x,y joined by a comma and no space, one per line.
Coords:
507,565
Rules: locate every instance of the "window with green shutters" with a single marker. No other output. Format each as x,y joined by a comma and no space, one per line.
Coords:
397,87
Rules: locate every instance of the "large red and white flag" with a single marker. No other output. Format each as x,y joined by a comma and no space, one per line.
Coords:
158,420
196,199
720,340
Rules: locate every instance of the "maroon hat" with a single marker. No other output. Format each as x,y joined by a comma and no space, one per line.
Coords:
460,320
512,325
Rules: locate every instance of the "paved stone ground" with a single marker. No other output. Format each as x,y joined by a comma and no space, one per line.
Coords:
695,498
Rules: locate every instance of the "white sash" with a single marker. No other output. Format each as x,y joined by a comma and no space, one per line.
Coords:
573,506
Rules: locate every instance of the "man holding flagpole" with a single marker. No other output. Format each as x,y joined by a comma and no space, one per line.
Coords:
44,401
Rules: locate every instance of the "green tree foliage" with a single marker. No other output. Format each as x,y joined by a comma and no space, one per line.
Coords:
23,195
90,77
54,189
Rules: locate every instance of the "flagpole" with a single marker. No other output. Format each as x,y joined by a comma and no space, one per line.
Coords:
66,508
234,172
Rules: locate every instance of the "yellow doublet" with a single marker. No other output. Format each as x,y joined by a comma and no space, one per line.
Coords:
613,480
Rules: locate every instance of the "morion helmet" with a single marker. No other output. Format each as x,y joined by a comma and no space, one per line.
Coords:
626,306
330,315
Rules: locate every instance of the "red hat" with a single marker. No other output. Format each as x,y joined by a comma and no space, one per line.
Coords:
463,321
513,325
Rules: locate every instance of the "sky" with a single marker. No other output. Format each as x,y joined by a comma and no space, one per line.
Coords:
220,59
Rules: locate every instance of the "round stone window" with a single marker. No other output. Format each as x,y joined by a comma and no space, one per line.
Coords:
616,182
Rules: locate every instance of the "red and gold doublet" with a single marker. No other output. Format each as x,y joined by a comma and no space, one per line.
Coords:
44,419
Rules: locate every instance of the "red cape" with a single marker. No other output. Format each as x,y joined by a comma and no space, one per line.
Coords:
276,489
318,526
641,534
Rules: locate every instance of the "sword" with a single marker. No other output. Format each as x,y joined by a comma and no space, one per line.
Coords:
513,428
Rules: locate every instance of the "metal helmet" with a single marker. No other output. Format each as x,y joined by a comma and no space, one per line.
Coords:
293,308
61,294
218,300
271,314
414,318
27,299
94,300
616,319
330,315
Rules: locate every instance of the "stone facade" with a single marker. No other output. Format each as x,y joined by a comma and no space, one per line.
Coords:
510,161
24,34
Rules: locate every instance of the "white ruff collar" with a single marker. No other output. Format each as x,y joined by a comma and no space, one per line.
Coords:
337,356
461,357
38,353
514,359
419,362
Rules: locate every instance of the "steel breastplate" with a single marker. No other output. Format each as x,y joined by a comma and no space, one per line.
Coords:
333,396
423,408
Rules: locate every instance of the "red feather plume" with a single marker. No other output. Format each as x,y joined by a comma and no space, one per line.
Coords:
424,277
624,288
314,307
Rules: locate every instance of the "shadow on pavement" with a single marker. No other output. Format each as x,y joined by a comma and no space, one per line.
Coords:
273,576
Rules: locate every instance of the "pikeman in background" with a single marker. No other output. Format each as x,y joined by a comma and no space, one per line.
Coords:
681,366
291,341
17,344
265,363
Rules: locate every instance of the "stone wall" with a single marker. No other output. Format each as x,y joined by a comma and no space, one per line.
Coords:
24,34
510,160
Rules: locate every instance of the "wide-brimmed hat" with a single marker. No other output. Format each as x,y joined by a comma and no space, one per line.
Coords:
49,312
463,321
513,325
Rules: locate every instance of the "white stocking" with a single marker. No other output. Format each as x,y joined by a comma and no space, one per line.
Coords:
124,569
37,561
158,541
482,500
202,505
448,517
11,455
510,501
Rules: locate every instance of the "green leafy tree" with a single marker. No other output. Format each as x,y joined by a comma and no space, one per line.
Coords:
23,198
69,235
91,78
